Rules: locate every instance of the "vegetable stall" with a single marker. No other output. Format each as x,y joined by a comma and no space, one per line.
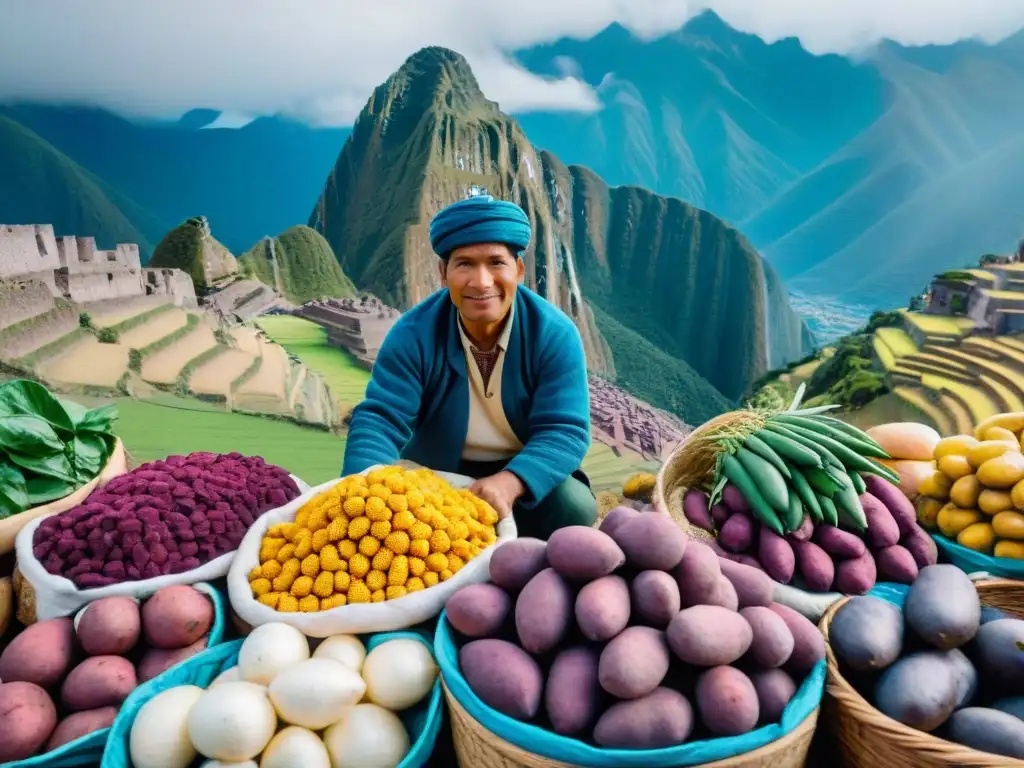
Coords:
212,609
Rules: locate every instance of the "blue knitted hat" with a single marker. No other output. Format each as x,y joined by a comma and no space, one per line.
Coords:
480,219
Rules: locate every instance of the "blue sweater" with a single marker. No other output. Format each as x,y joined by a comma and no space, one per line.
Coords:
417,401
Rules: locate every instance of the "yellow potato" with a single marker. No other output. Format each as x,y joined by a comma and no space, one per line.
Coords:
1017,495
928,510
979,536
937,486
957,445
990,449
992,502
1003,471
1014,422
1011,549
965,491
999,433
954,466
1009,525
951,519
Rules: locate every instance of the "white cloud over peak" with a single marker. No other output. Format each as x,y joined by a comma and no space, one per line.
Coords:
319,59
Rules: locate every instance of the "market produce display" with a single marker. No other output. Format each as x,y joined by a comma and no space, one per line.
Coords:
369,539
49,448
65,678
940,662
976,494
285,705
165,517
630,636
805,500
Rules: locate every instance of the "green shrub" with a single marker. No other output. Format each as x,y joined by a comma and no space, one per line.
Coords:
135,360
107,336
84,320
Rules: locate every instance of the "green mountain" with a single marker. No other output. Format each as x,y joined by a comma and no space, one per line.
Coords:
855,178
636,271
299,264
40,185
190,247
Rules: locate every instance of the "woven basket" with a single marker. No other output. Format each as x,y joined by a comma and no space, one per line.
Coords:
669,491
476,747
869,738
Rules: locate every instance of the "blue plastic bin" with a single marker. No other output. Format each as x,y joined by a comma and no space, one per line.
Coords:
539,741
423,721
89,749
969,561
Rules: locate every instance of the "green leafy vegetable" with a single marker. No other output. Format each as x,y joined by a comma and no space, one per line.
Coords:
49,448
13,493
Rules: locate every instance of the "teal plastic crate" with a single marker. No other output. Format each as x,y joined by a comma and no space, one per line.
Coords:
539,741
423,722
89,748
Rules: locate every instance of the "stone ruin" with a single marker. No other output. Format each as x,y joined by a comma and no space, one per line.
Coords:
624,422
358,325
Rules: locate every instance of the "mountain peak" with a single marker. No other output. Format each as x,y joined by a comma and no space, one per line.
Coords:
439,69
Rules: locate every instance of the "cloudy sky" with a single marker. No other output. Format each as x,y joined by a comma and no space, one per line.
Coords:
319,59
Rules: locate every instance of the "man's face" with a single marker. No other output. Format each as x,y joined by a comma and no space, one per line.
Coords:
482,280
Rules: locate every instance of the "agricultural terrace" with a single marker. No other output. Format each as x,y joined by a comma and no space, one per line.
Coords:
169,425
607,472
246,340
87,362
163,366
346,379
214,376
264,391
154,329
939,325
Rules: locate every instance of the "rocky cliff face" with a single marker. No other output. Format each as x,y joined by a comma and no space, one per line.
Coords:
627,265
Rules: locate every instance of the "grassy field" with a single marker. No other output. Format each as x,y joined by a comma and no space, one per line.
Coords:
897,340
308,341
153,430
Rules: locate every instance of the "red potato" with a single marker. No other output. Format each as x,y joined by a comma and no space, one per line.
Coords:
753,587
697,573
40,654
79,724
652,541
478,610
839,543
582,553
99,681
727,701
109,626
633,663
857,575
602,608
158,660
662,718
922,547
654,596
719,514
814,565
882,529
504,676
897,564
176,617
808,642
899,506
696,510
775,688
773,642
709,635
723,594
515,562
572,694
544,611
615,518
733,499
27,718
776,556
738,533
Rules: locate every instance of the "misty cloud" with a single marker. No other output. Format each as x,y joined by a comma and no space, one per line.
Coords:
319,59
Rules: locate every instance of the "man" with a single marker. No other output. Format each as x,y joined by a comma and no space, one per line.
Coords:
484,378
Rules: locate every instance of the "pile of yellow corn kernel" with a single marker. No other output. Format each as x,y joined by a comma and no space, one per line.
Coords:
371,538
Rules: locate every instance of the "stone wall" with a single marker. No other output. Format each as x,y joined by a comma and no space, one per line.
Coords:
88,286
29,251
173,283
22,299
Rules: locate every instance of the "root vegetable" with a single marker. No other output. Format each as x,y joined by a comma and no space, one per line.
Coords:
176,617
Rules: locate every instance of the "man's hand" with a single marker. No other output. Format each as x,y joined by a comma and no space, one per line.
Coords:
501,491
